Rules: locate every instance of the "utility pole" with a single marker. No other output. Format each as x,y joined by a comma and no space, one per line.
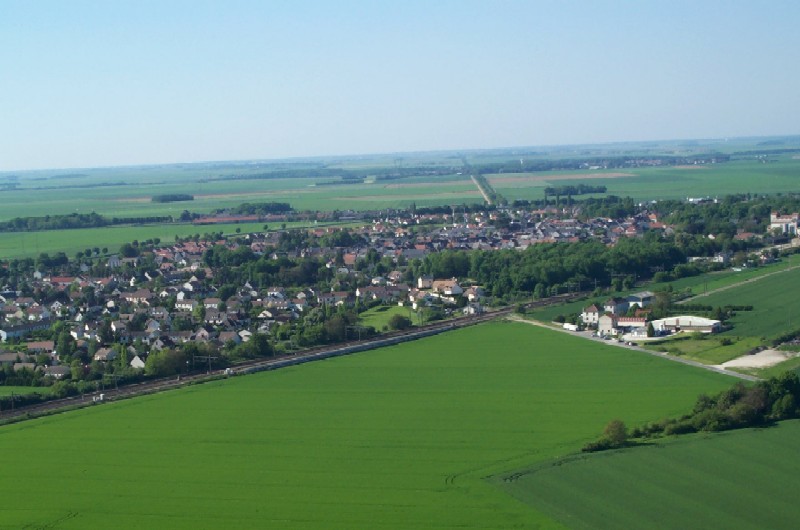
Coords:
207,358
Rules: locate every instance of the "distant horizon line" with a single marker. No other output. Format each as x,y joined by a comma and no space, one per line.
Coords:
553,147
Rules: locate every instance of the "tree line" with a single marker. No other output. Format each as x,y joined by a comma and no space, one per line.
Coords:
739,407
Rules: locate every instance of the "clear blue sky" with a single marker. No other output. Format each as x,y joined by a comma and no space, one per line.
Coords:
97,83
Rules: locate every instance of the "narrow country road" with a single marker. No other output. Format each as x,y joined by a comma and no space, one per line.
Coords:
480,189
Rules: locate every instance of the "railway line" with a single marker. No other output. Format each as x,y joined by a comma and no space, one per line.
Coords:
260,365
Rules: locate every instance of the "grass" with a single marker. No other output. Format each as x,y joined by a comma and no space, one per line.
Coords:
737,480
708,350
398,438
8,390
379,316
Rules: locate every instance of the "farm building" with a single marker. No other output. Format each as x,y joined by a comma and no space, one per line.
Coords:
612,324
642,299
686,323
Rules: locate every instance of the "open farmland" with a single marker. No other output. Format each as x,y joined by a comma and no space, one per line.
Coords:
31,244
670,182
776,306
400,437
319,184
737,480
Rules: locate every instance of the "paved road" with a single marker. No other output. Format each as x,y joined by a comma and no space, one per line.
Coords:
588,336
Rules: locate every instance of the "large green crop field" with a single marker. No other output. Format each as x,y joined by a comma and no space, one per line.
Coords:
402,438
775,301
738,480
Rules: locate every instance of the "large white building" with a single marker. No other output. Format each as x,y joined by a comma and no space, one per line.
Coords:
787,224
686,323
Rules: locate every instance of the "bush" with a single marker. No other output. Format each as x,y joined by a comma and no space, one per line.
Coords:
400,322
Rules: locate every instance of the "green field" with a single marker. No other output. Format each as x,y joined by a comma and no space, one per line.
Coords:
737,480
397,438
775,302
737,176
127,191
31,244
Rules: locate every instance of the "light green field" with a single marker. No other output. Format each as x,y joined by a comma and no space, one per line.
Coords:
737,480
398,438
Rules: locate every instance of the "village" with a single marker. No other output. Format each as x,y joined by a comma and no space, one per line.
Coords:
87,317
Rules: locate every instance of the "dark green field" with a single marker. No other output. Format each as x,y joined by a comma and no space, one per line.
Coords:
738,480
398,438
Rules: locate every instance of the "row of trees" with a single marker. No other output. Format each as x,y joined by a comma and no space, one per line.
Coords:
741,406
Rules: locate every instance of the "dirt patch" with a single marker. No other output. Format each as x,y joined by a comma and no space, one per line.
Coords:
762,359
547,178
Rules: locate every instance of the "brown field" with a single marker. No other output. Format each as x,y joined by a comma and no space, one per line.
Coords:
548,178
442,195
426,184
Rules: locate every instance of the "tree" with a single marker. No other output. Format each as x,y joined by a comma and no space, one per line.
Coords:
616,433
651,332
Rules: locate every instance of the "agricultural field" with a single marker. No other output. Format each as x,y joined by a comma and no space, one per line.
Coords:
743,479
31,244
737,176
317,184
398,438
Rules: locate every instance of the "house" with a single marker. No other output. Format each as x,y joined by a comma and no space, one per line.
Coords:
474,293
606,325
590,315
447,287
105,354
615,306
785,224
137,362
424,282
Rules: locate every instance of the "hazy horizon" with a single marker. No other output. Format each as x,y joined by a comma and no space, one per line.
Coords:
91,85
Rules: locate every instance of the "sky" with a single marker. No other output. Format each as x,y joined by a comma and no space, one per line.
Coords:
108,83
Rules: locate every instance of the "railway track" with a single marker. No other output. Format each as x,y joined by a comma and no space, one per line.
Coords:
258,365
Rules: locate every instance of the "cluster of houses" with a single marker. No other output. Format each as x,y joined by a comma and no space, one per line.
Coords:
629,317
177,302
